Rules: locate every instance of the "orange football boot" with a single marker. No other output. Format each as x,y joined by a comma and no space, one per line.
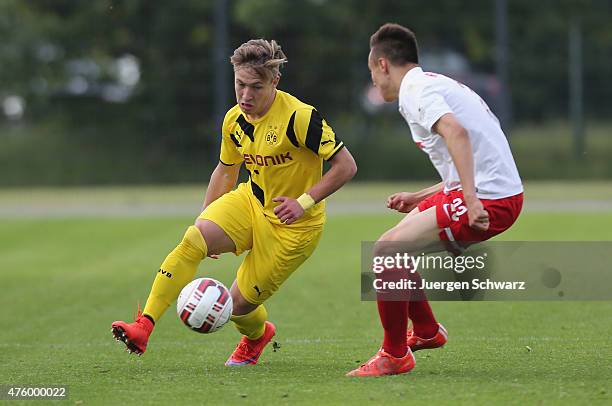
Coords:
385,364
248,351
134,335
417,343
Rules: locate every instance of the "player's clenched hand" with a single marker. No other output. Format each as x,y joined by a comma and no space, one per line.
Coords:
403,202
289,210
478,217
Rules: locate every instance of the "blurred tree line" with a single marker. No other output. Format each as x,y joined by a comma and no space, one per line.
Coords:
117,91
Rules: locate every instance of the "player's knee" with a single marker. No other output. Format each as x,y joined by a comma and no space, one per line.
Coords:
389,236
193,235
200,225
193,242
208,231
387,243
381,249
393,242
241,305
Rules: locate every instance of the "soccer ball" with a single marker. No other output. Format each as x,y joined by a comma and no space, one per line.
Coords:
204,305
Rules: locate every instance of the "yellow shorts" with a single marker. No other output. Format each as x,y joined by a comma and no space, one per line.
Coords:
275,250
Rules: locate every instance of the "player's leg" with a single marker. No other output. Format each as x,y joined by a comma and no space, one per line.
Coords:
272,260
179,267
456,232
248,317
175,272
251,320
214,232
425,332
416,233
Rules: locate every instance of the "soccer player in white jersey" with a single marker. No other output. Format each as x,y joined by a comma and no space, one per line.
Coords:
480,195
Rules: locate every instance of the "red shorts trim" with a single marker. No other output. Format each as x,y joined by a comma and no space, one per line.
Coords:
452,218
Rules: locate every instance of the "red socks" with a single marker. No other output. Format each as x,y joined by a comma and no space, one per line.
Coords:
394,313
394,319
424,323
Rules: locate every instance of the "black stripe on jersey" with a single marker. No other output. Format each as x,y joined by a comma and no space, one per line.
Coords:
334,154
248,128
233,137
338,141
225,163
258,192
291,131
315,131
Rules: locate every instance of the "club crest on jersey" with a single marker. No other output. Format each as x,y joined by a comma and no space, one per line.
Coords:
272,136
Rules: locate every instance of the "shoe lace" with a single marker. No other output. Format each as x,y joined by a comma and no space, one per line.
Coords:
243,347
138,319
370,363
138,311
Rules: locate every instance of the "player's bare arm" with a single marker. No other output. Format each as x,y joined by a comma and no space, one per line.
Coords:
343,168
222,180
405,202
460,149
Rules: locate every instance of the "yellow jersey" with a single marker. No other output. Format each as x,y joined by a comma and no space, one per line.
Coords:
283,151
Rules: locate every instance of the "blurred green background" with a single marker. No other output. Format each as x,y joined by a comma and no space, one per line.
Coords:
124,92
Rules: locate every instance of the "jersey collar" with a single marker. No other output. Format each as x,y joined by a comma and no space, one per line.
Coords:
411,76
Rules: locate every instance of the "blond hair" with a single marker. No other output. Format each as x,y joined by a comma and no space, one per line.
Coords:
265,57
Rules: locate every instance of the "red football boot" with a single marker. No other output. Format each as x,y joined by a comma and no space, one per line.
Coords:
135,335
417,343
385,364
248,351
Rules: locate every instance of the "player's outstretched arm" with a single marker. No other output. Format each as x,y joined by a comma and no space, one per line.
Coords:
222,180
343,168
459,146
405,202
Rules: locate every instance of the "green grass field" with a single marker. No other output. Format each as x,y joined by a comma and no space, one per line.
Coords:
65,280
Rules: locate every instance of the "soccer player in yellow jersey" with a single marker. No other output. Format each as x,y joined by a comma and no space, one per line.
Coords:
277,216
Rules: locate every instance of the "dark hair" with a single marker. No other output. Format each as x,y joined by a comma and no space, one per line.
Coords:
396,43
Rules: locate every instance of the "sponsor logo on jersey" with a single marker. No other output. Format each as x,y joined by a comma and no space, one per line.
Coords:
267,160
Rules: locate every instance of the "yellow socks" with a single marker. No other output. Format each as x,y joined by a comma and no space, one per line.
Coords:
176,271
252,324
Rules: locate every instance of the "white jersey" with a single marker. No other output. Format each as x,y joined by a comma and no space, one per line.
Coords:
424,97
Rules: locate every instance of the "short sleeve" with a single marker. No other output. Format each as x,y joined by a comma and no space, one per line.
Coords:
314,133
432,106
229,155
